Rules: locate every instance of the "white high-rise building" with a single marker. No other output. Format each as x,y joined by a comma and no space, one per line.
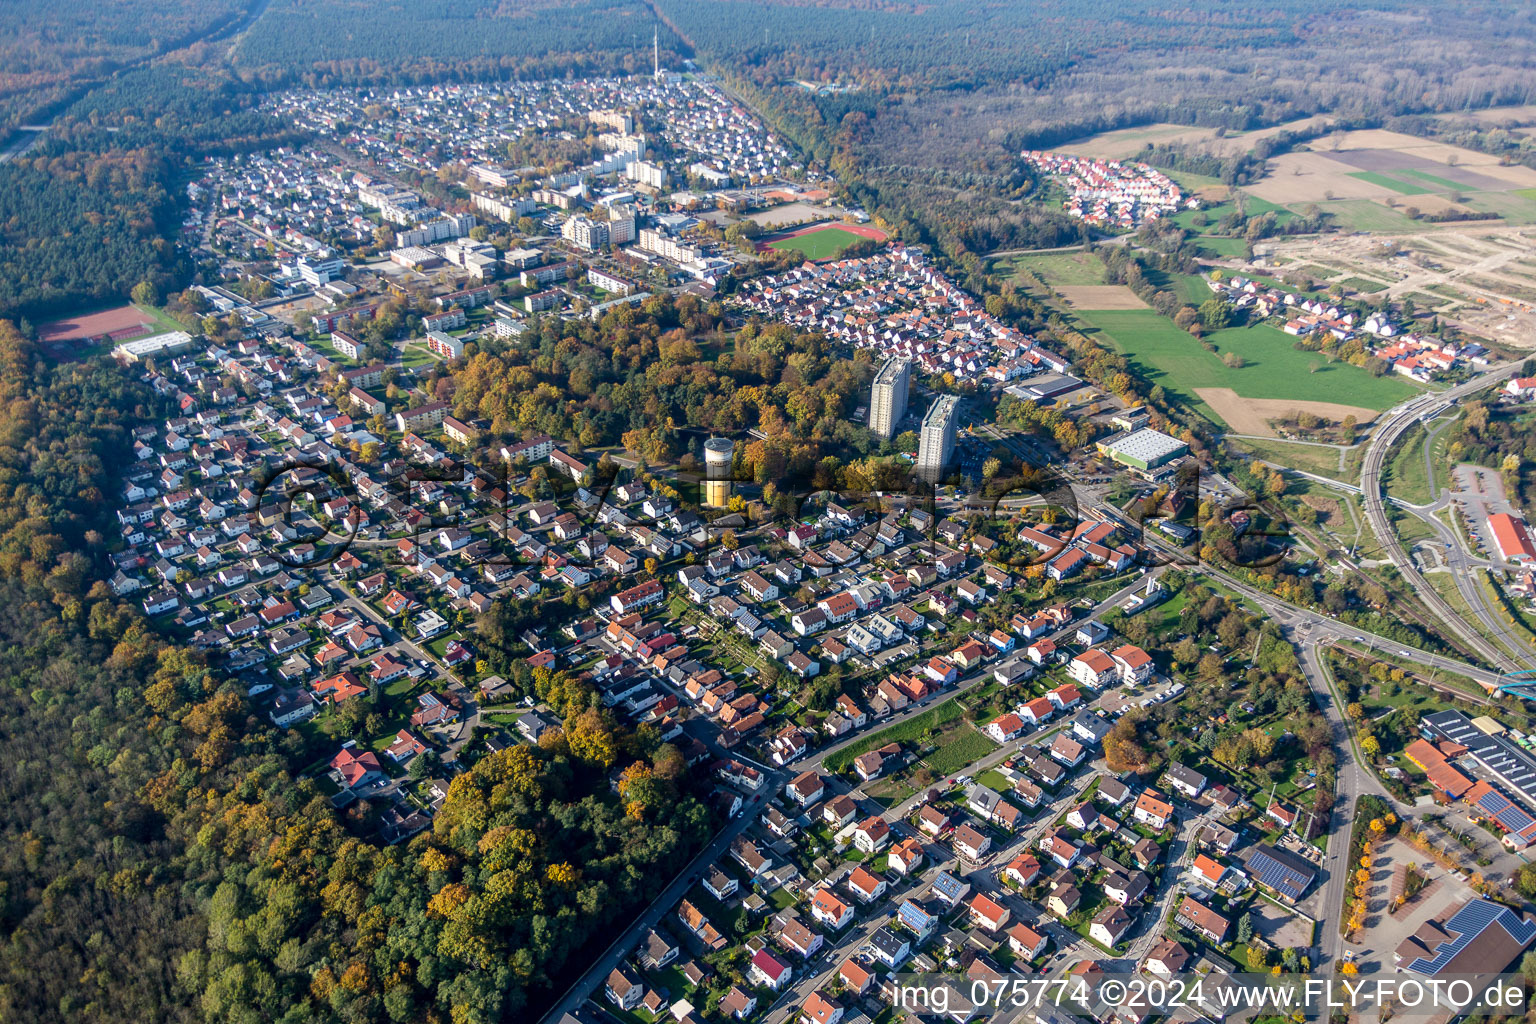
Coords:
888,397
936,440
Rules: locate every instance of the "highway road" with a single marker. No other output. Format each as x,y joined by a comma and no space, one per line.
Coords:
1465,569
1314,625
1397,422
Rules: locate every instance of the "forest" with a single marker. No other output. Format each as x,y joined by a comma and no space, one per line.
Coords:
929,105
95,208
49,49
336,42
661,377
163,862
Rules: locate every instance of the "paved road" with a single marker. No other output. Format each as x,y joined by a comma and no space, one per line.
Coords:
1350,782
983,877
1397,422
456,734
1319,626
1180,852
815,759
592,981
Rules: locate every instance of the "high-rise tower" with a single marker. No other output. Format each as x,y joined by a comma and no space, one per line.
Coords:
888,397
936,441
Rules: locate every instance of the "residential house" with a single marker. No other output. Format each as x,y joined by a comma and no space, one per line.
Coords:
1151,809
1109,925
1197,917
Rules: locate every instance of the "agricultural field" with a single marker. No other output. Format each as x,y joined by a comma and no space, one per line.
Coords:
1100,296
1275,378
1365,215
1127,142
1368,180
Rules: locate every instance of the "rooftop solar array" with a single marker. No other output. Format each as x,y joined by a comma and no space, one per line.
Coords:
1283,872
1497,754
1510,816
1466,925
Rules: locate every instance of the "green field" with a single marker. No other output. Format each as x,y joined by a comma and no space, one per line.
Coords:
1253,206
1163,354
1367,215
1518,207
1225,248
1309,458
959,752
1060,268
1190,181
1392,183
819,245
1454,186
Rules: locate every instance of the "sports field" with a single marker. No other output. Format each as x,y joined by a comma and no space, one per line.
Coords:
129,320
1163,354
822,244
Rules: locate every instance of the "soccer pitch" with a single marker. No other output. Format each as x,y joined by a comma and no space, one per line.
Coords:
819,245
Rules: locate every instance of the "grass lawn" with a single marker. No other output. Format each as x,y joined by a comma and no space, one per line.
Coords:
1163,354
1392,183
1407,477
414,355
1227,248
964,749
1306,457
1061,268
781,898
819,245
993,779
911,729
1367,215
164,322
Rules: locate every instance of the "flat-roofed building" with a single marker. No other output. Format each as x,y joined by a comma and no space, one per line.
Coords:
936,440
1145,449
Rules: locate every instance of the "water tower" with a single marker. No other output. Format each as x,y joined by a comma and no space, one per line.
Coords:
717,471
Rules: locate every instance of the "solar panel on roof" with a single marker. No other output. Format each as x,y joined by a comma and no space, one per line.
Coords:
1466,925
1289,879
